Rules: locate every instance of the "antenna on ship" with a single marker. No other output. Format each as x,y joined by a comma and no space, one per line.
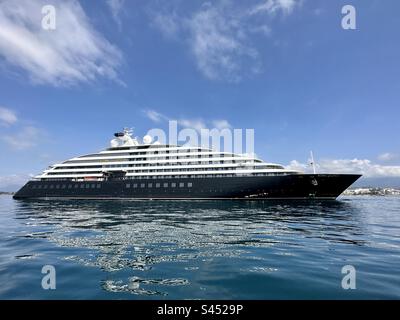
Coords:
312,163
128,131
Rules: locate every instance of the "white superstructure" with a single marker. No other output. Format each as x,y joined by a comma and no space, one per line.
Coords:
153,160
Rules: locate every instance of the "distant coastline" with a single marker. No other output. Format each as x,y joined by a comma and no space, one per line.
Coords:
6,193
372,192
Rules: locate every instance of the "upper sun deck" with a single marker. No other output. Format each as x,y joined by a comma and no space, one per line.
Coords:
143,146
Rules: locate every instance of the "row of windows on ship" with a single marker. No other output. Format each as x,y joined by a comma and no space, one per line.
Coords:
98,185
239,160
167,165
197,152
153,171
197,176
156,163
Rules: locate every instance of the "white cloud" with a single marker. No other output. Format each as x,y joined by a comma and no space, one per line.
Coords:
219,35
116,7
298,166
262,29
362,166
196,124
221,124
26,138
7,116
154,115
168,24
218,42
73,53
387,156
188,123
273,6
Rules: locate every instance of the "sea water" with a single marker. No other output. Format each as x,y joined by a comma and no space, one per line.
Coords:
200,249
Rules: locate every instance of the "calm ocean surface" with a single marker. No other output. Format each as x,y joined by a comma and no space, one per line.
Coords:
200,249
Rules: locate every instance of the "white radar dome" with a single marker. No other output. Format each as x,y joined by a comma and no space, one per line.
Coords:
147,139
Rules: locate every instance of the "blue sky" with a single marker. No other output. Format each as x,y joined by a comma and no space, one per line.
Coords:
283,67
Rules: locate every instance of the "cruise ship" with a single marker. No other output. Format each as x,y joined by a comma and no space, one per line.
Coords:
130,169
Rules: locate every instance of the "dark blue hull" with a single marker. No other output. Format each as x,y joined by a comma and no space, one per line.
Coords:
296,186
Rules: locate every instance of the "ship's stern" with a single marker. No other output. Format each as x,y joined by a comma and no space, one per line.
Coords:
24,192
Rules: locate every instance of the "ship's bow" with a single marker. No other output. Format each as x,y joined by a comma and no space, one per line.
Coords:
332,185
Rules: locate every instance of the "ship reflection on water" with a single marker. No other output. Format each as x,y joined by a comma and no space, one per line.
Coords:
114,226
